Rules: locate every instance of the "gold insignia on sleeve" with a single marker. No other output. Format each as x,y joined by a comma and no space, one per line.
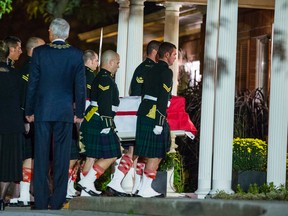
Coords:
103,88
24,77
139,80
166,87
88,86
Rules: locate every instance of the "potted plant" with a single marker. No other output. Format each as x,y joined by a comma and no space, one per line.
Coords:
249,162
170,174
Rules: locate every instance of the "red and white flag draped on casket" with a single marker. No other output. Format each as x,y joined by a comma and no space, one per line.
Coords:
177,117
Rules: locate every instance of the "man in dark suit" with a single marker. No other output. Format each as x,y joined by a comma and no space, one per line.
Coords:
56,82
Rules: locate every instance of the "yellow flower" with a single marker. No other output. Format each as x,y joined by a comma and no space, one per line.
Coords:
249,154
249,150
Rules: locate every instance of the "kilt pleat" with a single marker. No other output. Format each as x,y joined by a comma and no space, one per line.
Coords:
99,145
147,143
11,156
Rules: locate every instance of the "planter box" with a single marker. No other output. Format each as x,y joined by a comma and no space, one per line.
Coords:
159,184
245,178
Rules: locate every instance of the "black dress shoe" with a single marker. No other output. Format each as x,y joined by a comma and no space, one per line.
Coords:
111,192
135,194
158,196
90,192
20,204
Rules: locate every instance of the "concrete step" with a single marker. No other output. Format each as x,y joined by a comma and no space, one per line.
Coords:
178,206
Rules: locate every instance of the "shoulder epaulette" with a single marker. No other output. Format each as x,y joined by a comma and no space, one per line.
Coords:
149,65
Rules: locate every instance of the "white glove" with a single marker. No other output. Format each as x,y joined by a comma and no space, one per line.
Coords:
158,130
168,105
105,131
27,127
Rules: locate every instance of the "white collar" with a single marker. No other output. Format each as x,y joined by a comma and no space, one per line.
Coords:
58,39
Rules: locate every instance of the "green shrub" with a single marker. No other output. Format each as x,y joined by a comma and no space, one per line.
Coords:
174,160
265,192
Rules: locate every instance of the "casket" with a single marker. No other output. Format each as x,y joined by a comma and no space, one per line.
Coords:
126,118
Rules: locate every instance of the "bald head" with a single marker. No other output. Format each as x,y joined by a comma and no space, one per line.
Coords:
90,59
110,61
32,43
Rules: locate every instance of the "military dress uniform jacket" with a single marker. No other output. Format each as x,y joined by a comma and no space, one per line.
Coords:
24,73
157,92
139,77
51,92
89,73
105,93
11,109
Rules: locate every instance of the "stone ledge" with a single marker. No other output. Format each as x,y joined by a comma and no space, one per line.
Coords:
178,206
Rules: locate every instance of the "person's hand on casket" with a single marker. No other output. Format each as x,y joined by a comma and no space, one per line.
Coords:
158,129
105,131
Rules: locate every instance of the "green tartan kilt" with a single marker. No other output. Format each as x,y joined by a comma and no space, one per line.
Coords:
147,143
99,145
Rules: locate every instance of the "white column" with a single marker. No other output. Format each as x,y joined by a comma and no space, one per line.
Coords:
278,111
122,40
135,40
224,100
207,105
171,34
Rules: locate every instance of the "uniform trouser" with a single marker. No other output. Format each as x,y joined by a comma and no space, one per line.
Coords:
59,134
